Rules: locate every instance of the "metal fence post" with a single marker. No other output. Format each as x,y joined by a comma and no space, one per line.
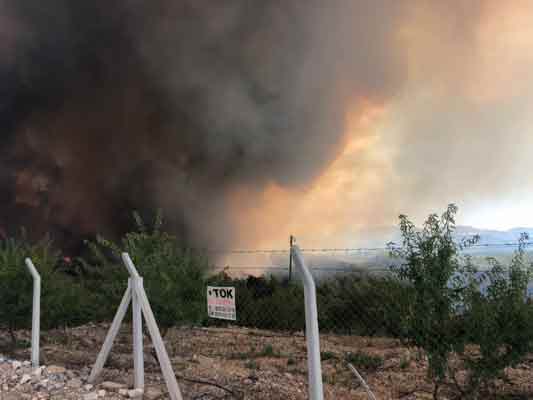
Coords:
316,390
36,313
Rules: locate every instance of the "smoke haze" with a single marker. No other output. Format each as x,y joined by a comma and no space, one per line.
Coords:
246,121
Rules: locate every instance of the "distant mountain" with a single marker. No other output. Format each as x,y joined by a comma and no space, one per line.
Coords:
489,238
493,243
372,254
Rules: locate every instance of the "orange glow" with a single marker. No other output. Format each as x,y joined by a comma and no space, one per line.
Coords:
504,39
335,202
482,63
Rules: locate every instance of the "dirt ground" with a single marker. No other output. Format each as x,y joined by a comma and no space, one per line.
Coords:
237,363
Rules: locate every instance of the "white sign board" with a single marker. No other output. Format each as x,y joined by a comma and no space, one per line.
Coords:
221,302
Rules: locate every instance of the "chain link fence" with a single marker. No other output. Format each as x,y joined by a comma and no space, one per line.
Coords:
362,309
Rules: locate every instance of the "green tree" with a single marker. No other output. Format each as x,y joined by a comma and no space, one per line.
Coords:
499,322
173,276
16,284
429,261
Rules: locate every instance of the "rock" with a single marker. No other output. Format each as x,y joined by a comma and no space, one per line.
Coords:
123,392
87,342
88,387
25,378
135,393
113,386
391,363
11,396
16,365
55,370
102,393
74,383
129,381
204,361
152,393
90,396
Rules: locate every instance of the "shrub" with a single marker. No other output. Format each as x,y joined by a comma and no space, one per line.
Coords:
448,312
63,301
327,355
364,361
173,276
268,351
500,322
15,285
429,262
362,305
265,303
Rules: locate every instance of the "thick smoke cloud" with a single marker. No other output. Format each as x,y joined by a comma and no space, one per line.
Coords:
462,126
458,129
249,119
111,106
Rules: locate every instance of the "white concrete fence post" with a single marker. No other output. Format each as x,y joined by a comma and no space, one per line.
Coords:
138,352
141,307
316,390
36,313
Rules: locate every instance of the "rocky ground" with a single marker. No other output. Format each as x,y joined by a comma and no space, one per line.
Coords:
223,363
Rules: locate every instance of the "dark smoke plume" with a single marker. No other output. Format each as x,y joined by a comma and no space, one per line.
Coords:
116,105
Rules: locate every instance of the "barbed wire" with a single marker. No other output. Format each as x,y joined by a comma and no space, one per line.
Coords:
342,250
347,269
354,270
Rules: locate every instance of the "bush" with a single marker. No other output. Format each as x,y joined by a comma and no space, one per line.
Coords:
429,263
449,313
362,305
364,361
63,301
15,285
173,276
264,303
500,322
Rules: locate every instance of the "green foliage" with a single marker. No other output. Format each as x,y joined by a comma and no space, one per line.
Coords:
434,300
265,303
252,364
500,322
173,276
63,300
362,305
430,261
449,313
15,298
351,305
327,355
268,351
364,361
